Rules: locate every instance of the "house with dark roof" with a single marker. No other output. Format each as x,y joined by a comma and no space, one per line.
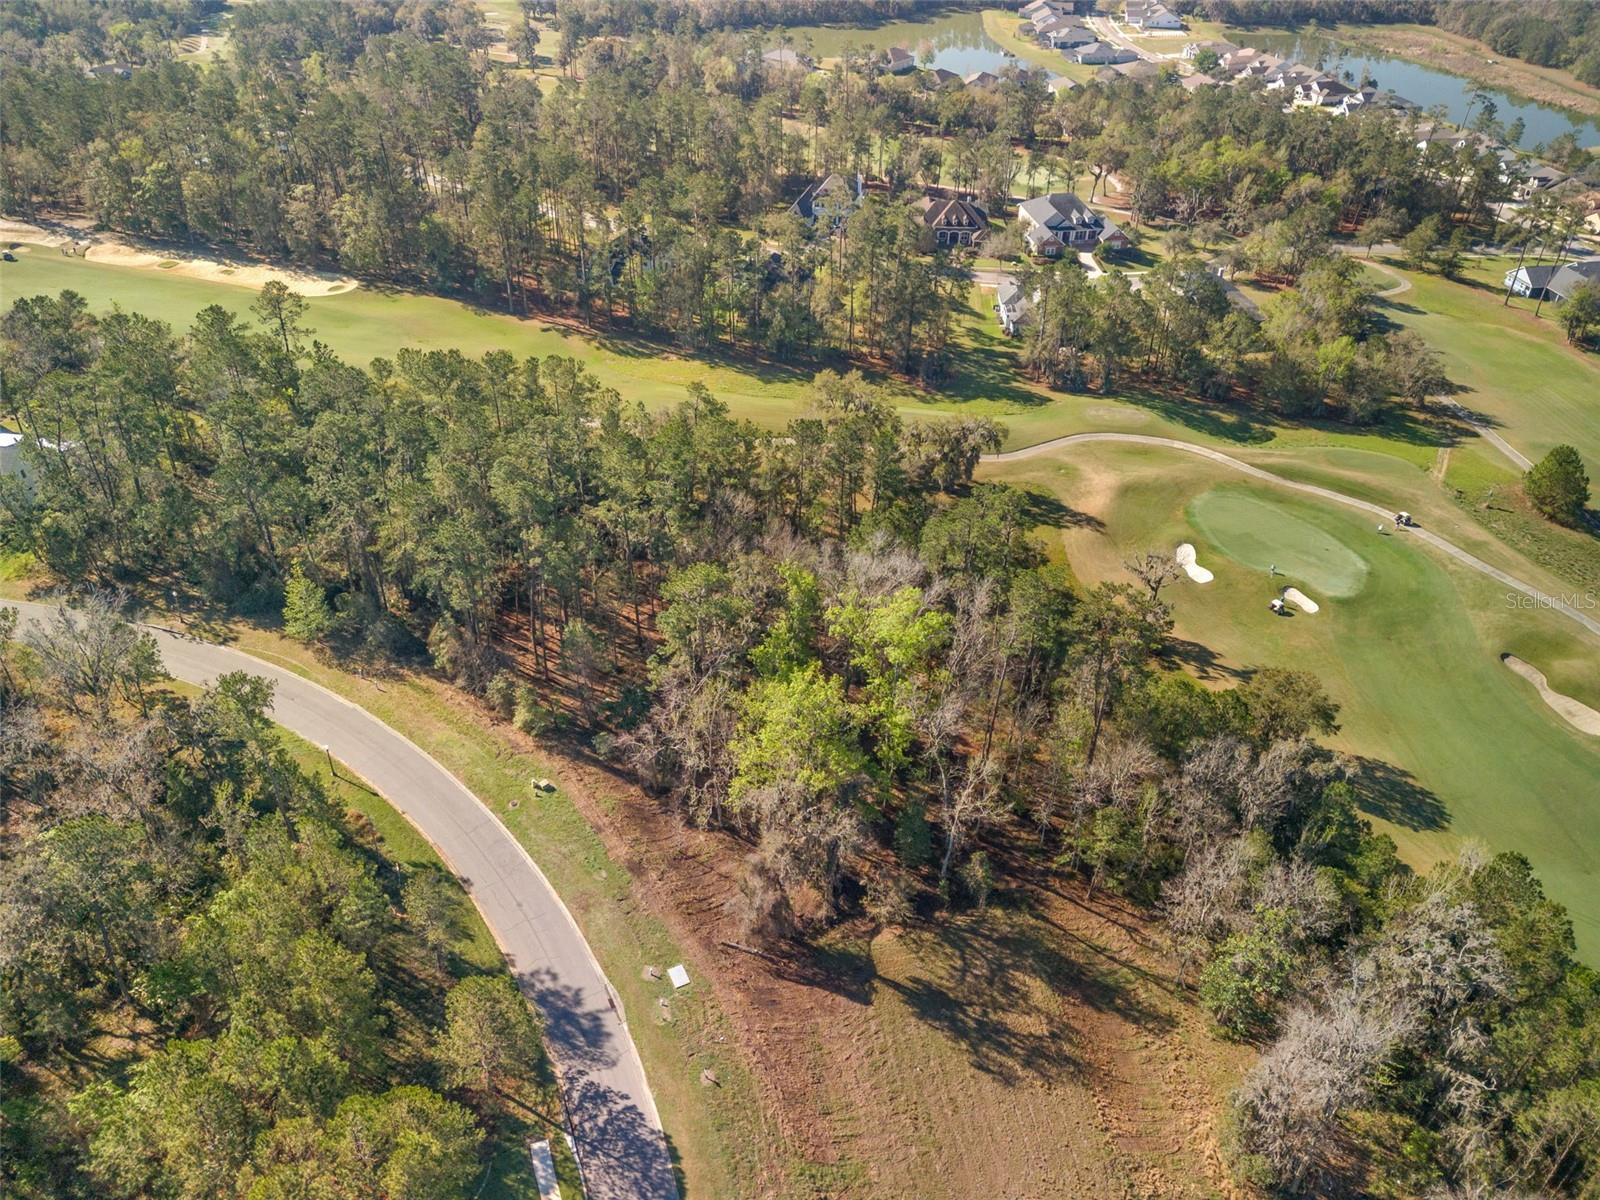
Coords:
938,77
1552,281
953,221
1321,91
981,79
1060,222
1538,179
829,202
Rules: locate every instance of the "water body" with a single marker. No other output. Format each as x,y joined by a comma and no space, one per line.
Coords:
951,41
1425,85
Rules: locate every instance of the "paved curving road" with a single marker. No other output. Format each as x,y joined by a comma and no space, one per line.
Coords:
1467,558
622,1149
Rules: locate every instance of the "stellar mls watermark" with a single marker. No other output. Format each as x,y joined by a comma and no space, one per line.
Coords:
1583,601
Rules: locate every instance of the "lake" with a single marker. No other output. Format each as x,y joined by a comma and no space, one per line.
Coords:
952,41
1426,86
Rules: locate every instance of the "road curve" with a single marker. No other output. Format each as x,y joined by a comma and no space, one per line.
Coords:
1465,557
622,1149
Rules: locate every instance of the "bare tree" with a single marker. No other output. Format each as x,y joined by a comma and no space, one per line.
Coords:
1155,570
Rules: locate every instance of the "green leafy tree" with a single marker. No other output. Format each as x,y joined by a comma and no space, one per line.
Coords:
307,616
1558,486
1250,974
490,1036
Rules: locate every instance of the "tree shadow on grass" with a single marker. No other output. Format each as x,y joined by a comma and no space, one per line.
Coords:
992,983
1226,422
1393,794
1202,661
1044,509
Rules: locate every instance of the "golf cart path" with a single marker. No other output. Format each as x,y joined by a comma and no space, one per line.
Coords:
1465,557
622,1150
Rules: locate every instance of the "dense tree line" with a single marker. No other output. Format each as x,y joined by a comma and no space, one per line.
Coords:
1549,33
199,965
860,663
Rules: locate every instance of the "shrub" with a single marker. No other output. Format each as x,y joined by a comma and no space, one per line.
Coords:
977,878
502,694
529,715
306,613
913,840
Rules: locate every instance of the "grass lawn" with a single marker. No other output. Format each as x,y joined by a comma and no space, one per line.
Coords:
1453,744
1516,369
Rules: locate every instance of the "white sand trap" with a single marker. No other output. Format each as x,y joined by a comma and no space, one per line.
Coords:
1185,558
243,273
1574,712
1296,597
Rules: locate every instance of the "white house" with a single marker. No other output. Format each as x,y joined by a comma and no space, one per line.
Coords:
829,202
1011,306
1148,14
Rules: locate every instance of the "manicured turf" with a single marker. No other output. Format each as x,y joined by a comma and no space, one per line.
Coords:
1261,535
1515,368
1455,745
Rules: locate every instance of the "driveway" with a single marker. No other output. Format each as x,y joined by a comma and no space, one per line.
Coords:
621,1147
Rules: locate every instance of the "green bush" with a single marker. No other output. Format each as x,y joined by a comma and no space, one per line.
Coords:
502,694
531,716
913,840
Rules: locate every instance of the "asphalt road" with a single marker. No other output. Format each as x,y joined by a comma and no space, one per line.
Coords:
621,1146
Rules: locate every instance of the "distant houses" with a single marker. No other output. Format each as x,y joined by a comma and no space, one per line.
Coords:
784,60
982,80
1552,281
1060,222
953,221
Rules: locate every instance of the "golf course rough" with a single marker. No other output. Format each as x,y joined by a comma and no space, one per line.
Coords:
1257,533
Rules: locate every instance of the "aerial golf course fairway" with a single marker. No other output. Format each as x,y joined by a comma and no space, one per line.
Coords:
1449,743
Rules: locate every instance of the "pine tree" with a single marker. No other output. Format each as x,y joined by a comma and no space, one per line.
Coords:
1558,486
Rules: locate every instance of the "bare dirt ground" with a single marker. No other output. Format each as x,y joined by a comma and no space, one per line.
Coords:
119,251
896,1062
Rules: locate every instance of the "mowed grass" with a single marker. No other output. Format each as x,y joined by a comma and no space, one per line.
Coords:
1515,368
1452,744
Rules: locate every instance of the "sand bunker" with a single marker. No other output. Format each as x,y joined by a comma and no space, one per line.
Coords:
1298,598
241,272
1185,558
1574,712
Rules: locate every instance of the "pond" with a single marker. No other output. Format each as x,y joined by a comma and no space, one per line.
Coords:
952,41
1425,85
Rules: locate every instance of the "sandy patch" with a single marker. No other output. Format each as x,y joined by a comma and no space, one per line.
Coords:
1185,558
1574,712
1298,598
241,272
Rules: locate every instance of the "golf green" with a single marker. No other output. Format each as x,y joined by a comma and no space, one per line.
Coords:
1446,743
1263,535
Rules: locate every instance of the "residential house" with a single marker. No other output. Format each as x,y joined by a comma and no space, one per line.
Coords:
981,79
1321,91
1011,306
1060,222
1148,14
1592,222
897,60
1539,179
1552,281
1250,63
829,202
1193,83
784,59
111,70
953,221
1062,33
1060,83
1138,68
938,77
1101,54
1221,49
1061,8
10,452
